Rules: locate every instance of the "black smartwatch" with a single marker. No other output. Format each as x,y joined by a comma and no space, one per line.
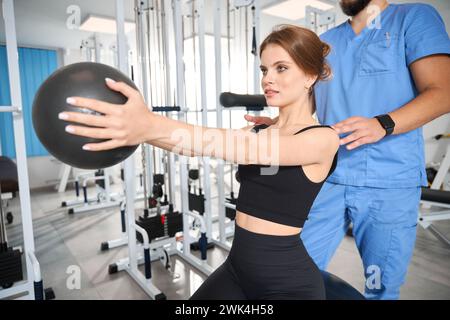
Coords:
387,123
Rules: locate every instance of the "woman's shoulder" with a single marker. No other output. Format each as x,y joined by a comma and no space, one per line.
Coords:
315,126
324,136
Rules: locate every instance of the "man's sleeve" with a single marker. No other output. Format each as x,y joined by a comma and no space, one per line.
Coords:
425,33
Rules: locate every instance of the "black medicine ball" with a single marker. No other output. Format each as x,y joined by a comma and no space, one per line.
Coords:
87,80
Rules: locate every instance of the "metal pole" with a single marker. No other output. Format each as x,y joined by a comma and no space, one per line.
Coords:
19,136
97,48
230,71
160,48
219,115
204,104
143,60
166,64
3,239
141,49
246,49
151,47
181,116
169,98
166,87
256,70
129,163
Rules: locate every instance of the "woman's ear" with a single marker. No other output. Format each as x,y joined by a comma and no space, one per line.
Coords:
311,80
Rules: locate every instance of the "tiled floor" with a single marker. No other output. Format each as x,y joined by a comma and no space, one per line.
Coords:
64,240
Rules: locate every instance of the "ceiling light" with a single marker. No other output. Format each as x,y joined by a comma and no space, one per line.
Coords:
103,25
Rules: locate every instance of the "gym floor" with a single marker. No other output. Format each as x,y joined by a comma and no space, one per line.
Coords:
64,240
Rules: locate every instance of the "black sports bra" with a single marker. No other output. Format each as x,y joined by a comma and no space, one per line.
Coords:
285,197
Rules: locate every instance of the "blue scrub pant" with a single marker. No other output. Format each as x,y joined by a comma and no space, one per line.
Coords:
384,227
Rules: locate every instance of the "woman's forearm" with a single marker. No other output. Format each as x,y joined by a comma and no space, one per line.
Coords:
168,147
178,137
183,138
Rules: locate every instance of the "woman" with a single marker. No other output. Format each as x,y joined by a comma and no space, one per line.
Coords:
282,167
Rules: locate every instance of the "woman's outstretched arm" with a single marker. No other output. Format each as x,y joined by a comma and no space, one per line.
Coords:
133,123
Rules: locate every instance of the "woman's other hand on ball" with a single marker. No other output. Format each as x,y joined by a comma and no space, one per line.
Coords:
119,125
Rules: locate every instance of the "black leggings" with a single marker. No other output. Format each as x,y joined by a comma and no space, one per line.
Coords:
263,266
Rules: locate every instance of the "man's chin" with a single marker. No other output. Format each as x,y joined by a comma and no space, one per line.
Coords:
353,7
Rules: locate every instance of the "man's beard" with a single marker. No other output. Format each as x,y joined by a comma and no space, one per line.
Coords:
353,7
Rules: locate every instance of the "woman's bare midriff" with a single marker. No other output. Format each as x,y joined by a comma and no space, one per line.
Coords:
262,226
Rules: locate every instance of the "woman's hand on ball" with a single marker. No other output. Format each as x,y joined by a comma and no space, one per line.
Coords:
119,125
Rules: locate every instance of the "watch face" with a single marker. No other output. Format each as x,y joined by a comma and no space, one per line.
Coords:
387,122
390,123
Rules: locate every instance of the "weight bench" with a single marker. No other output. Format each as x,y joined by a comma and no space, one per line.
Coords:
9,184
439,199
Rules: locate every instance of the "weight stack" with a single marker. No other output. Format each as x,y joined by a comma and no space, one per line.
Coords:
230,213
100,183
10,267
153,226
174,223
197,203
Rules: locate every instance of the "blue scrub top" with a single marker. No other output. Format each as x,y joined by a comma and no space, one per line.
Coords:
371,77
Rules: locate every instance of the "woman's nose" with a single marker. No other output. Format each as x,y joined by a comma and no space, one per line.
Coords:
268,80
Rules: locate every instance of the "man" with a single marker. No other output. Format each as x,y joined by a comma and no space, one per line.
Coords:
391,76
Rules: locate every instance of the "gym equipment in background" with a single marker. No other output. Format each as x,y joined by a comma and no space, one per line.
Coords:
156,231
32,287
319,20
9,184
436,199
10,259
435,203
144,280
104,198
156,227
255,102
197,206
84,79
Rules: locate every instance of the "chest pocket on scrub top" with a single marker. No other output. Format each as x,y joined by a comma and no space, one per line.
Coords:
379,56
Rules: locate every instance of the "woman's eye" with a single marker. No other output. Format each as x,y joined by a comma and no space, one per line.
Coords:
281,68
264,72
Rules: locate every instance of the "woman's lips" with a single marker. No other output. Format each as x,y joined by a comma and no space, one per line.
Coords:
270,93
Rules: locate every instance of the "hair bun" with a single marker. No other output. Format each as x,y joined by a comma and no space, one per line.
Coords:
325,49
326,73
326,69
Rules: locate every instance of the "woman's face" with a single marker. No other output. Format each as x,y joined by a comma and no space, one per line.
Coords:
283,82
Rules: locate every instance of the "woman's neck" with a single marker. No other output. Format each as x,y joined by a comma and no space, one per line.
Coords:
297,113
